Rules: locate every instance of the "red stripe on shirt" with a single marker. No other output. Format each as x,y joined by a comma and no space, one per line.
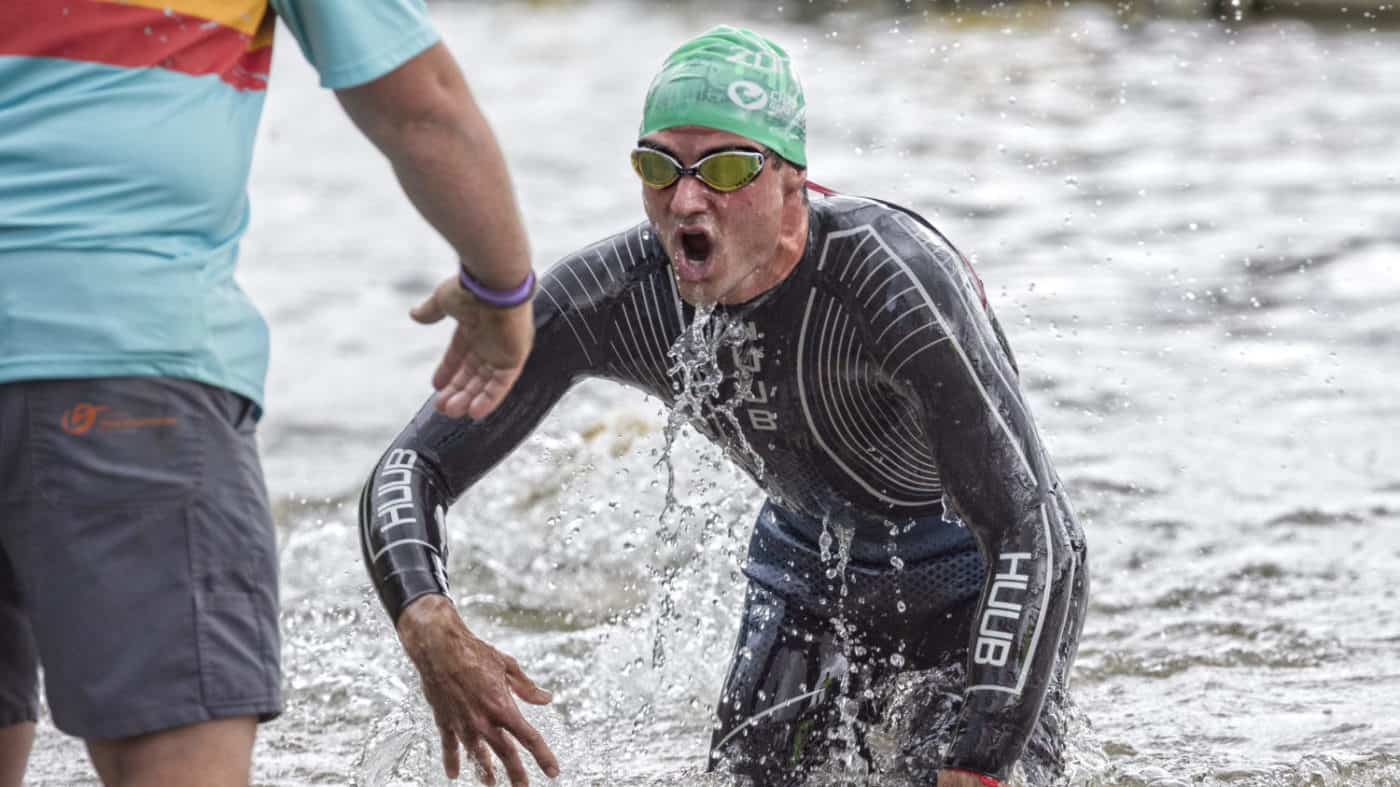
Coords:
134,37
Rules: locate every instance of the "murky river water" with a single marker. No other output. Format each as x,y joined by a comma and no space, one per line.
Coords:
1191,234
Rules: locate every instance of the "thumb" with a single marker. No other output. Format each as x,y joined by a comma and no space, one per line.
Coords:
429,311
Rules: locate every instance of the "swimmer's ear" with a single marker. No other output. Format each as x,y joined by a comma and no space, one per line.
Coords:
794,179
795,184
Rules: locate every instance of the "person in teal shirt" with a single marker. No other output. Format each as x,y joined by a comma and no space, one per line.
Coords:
137,556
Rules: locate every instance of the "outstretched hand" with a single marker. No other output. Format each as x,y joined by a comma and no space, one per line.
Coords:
486,354
468,684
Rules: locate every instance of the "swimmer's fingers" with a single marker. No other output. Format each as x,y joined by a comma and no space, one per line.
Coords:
451,758
533,742
485,773
505,750
466,682
523,687
501,716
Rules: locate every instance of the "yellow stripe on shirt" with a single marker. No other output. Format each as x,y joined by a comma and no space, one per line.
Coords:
245,16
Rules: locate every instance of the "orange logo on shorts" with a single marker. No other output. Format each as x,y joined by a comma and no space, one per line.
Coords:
81,418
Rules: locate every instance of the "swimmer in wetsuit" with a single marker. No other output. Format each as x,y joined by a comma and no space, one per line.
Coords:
867,388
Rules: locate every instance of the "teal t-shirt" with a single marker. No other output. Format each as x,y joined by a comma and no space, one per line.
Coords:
128,130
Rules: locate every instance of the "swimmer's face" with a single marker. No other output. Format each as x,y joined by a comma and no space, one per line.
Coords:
720,243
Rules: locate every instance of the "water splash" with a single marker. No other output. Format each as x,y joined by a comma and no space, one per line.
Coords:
698,379
706,397
400,746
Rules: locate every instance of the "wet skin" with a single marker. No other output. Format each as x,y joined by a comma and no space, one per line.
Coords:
748,240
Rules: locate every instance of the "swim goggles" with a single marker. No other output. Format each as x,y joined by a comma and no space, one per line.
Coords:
728,170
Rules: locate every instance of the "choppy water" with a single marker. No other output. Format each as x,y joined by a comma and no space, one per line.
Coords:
1191,235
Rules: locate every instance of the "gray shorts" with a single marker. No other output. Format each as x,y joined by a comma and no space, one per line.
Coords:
138,563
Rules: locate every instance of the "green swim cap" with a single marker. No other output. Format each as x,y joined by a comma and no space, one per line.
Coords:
734,80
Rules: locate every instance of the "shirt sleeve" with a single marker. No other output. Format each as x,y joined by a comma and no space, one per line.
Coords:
351,43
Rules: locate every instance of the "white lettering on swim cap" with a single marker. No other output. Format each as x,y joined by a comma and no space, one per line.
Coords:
756,60
748,95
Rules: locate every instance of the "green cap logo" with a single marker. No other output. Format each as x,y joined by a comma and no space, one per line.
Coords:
733,80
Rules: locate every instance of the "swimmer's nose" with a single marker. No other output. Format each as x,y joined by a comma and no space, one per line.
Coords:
690,197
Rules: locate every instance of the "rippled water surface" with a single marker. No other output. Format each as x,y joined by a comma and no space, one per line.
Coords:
1191,234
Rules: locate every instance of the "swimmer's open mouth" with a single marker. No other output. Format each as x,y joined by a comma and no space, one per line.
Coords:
696,245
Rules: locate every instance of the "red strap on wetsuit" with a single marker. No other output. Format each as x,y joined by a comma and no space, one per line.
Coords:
981,777
820,189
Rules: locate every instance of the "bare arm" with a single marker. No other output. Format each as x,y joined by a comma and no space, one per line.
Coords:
423,118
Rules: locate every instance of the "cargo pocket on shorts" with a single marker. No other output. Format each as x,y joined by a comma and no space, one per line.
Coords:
233,660
116,441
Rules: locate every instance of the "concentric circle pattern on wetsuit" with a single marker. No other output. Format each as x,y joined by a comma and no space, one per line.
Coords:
875,432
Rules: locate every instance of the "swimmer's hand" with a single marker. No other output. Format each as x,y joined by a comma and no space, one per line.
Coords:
486,354
469,684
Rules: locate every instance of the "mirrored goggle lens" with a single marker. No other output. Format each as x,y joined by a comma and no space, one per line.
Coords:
654,168
729,171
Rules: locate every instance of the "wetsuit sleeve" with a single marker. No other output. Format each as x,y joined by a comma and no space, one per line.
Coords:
995,471
435,459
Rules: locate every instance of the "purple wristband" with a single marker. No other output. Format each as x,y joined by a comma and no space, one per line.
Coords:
501,299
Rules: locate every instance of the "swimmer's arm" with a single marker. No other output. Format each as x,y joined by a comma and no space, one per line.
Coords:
435,459
468,683
432,462
993,467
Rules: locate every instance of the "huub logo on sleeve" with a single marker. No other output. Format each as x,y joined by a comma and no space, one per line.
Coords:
396,506
1004,603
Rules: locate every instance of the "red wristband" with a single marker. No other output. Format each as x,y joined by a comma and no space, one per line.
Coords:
981,777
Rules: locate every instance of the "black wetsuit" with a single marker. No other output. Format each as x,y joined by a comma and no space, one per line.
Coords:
873,398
